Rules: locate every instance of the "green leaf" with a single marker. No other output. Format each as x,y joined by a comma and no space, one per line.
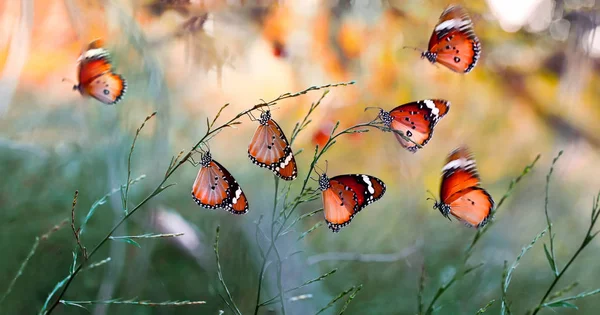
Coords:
550,260
127,240
561,304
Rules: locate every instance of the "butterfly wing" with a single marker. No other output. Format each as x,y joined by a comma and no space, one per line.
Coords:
368,189
459,173
460,192
347,195
96,78
236,203
93,67
339,205
473,206
270,149
453,41
215,187
416,120
108,88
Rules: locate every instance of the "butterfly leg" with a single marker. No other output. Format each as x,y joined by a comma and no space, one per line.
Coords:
191,160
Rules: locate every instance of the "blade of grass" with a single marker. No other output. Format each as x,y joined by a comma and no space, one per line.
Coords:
350,298
335,299
484,309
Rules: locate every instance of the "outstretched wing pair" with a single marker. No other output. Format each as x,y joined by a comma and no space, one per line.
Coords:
453,42
96,77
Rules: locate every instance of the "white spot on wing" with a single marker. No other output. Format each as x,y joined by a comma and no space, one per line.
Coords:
431,105
93,53
454,23
238,193
370,185
460,163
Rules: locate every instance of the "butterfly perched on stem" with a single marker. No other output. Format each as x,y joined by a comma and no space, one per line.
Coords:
215,187
453,42
270,149
460,193
345,195
96,76
415,120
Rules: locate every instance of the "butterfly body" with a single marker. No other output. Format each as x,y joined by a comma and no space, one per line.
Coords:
460,193
453,42
216,188
96,77
416,120
346,195
270,149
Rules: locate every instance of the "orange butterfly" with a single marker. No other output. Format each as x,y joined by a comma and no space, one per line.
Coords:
415,120
453,42
96,78
215,187
345,195
270,149
460,194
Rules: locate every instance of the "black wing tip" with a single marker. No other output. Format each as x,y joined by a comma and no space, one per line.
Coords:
226,207
336,227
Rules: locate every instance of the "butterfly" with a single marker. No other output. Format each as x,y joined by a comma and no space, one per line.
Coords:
453,42
415,120
345,195
270,149
460,194
96,77
215,187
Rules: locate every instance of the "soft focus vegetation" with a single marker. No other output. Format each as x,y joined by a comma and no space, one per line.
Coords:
534,92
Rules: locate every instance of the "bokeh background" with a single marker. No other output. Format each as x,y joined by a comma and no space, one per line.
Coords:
536,90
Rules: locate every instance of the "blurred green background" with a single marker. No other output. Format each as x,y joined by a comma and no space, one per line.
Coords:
534,91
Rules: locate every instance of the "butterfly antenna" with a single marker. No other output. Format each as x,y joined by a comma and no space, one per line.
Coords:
413,48
75,85
318,169
432,196
373,107
326,165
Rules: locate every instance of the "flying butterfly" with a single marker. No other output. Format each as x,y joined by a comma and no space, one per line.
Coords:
270,149
96,76
345,195
415,120
460,193
215,187
453,42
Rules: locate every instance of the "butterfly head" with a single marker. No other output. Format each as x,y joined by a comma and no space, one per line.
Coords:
265,117
385,117
431,56
443,208
324,182
206,159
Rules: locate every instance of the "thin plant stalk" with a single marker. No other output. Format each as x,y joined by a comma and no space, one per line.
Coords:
220,274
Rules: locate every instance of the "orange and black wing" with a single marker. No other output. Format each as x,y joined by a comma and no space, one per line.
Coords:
270,149
347,195
473,206
454,42
108,88
96,78
215,187
416,121
460,193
